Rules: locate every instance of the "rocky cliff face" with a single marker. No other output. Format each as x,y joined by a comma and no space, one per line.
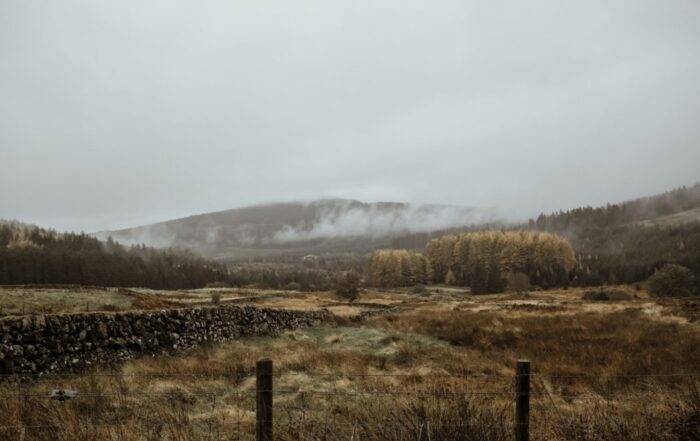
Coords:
44,344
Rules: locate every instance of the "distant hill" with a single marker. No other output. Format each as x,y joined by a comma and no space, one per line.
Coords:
317,227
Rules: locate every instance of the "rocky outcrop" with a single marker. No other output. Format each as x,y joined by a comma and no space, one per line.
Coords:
43,344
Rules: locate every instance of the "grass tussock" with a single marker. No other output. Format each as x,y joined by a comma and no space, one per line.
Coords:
592,345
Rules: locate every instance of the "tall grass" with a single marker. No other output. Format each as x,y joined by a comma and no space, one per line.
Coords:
591,381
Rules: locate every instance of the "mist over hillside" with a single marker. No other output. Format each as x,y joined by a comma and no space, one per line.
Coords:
333,226
322,226
616,243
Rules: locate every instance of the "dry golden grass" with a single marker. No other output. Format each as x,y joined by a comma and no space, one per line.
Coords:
436,370
35,300
620,342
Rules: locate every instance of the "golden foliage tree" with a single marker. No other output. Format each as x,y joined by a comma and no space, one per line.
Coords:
397,268
483,259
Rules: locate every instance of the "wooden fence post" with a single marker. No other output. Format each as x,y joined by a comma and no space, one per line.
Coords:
522,401
263,398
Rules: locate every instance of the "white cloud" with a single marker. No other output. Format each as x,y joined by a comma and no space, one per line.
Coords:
122,113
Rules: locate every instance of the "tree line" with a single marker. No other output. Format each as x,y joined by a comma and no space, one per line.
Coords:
482,260
611,215
617,244
631,254
32,255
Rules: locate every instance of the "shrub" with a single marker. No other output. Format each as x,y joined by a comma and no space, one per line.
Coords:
348,286
672,281
216,298
217,285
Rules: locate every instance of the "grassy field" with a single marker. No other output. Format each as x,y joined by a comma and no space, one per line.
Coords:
37,300
16,301
439,366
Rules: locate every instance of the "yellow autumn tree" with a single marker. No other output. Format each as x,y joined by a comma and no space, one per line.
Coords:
397,268
483,259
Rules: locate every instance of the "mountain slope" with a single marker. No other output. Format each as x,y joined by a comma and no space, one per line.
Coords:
627,242
674,220
322,226
643,210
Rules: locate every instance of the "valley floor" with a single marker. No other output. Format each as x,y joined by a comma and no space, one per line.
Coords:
392,366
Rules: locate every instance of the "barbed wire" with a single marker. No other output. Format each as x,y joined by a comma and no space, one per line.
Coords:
404,375
360,393
238,375
603,376
125,424
119,375
128,394
335,424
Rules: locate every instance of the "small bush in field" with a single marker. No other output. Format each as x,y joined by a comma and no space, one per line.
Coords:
348,286
293,286
217,285
672,281
216,298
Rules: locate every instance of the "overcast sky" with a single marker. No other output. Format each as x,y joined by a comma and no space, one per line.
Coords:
121,113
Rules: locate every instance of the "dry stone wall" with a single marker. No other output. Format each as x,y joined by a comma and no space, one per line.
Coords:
43,344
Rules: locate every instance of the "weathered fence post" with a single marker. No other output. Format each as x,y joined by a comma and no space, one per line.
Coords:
263,398
522,401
